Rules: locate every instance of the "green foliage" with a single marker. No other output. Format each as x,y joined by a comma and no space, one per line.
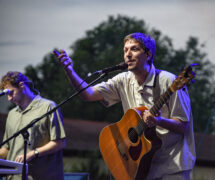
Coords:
103,47
202,92
49,78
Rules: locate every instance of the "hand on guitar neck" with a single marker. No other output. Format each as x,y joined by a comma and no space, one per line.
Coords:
173,124
150,119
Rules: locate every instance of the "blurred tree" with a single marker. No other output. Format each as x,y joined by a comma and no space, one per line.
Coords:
103,47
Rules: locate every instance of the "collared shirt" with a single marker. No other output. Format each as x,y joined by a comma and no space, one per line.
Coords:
178,150
47,129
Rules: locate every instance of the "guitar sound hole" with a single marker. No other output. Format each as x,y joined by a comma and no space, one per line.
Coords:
132,134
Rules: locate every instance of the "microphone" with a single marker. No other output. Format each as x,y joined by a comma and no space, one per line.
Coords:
121,66
5,92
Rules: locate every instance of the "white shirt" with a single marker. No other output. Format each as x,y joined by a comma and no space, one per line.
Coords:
178,150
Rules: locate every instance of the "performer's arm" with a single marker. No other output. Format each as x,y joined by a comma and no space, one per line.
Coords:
49,148
174,124
89,94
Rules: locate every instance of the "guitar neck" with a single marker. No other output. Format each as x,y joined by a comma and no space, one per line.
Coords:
161,101
142,126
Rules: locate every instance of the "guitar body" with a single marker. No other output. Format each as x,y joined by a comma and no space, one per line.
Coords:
127,154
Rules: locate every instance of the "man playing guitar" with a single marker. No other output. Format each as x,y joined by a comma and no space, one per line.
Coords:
138,87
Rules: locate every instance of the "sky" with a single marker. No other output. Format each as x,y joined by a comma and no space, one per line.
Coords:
31,29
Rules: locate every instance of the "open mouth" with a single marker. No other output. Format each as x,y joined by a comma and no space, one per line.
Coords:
130,62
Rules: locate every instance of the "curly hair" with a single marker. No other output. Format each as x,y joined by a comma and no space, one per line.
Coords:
146,41
13,78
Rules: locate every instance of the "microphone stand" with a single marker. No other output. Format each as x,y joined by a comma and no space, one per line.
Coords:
24,131
25,135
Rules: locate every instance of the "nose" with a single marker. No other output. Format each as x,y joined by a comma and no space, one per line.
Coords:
128,53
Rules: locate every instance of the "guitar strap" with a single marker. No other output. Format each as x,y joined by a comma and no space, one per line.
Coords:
156,88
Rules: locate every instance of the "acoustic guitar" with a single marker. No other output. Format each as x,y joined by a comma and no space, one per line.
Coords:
128,146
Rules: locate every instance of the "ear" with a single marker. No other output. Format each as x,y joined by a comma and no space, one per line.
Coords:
149,55
22,84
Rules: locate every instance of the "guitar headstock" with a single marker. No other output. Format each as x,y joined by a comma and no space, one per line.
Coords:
183,78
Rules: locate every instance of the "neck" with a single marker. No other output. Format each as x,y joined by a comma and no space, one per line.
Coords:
142,75
27,100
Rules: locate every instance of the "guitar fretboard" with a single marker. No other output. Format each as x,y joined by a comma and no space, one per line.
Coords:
161,101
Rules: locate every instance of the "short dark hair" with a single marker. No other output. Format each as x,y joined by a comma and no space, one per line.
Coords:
146,41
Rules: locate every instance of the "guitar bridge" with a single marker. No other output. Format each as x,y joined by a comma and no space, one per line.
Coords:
122,151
